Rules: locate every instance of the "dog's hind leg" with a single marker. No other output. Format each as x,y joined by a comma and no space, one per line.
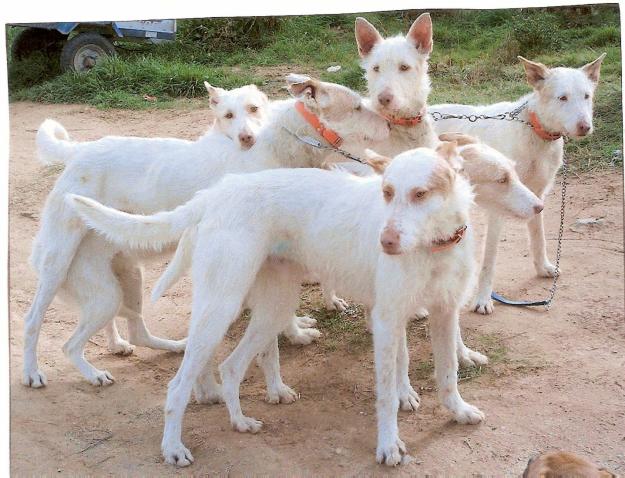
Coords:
130,276
443,331
116,344
52,262
409,400
483,302
224,267
272,300
538,246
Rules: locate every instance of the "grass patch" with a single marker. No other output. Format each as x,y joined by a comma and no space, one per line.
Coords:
343,330
474,61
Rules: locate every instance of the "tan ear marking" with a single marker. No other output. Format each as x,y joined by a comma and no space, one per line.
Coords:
461,139
378,162
536,72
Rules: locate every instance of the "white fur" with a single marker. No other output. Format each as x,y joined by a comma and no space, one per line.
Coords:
147,175
537,160
331,225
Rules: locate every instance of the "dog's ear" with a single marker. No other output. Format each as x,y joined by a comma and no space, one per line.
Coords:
213,93
593,69
461,139
420,33
448,150
536,72
308,90
378,162
366,36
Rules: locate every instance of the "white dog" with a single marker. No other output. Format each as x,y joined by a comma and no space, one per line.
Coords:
147,175
331,224
560,105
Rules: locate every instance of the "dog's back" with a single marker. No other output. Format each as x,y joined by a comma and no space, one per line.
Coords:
561,464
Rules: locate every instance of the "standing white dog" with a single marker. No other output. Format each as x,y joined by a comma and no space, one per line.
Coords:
560,105
143,175
332,225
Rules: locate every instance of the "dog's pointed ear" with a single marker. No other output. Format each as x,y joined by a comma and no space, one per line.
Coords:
306,89
448,150
536,72
213,93
461,139
378,162
593,69
366,36
420,33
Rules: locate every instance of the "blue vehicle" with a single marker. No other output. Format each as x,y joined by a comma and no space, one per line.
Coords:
80,45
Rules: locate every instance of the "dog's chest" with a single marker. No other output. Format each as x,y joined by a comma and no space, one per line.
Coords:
403,138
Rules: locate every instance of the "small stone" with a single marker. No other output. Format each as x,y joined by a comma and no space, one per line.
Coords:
333,68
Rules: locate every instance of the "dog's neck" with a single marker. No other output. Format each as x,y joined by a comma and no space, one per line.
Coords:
534,106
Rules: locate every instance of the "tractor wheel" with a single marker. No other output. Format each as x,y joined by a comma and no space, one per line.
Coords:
31,40
84,50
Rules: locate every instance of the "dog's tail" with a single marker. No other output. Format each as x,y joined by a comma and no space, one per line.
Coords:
53,143
178,265
134,230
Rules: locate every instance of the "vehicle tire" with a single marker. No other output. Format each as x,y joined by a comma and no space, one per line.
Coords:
83,51
32,40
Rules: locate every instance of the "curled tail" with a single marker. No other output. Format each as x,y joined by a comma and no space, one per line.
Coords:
179,263
134,230
53,143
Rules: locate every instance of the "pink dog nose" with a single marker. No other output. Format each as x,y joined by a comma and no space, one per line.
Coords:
385,98
539,208
246,140
583,128
390,241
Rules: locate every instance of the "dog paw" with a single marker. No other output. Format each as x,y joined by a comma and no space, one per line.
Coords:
484,306
305,322
391,455
34,379
122,347
208,395
101,378
409,399
281,394
467,414
471,358
422,313
336,303
177,455
247,425
546,270
301,336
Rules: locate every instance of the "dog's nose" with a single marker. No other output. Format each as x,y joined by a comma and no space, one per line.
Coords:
539,208
246,140
390,241
385,98
583,128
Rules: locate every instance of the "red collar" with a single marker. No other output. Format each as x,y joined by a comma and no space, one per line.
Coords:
444,244
313,120
411,121
540,131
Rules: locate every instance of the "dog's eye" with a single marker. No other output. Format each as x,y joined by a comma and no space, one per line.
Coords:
229,115
563,98
253,109
417,195
376,68
404,67
388,194
586,96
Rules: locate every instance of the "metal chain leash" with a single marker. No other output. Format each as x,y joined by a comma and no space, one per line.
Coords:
514,116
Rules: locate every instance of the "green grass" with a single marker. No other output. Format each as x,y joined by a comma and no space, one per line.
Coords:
474,60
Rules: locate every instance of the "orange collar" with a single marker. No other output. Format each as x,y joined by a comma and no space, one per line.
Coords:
411,121
540,131
312,119
444,244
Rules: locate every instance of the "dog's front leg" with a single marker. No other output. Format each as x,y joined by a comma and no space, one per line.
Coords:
483,302
409,400
386,326
538,246
443,332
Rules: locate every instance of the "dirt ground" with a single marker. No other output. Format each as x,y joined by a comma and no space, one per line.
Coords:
557,378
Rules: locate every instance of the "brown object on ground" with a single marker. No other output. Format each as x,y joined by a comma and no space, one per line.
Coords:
561,464
556,381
